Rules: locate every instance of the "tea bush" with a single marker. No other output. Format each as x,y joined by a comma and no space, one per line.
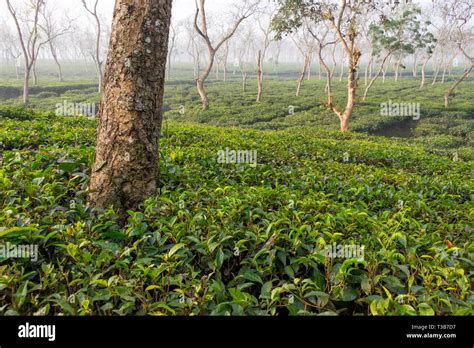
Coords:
236,239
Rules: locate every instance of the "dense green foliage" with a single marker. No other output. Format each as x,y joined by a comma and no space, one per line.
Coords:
199,246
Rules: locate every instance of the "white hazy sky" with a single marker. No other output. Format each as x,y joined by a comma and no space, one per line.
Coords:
182,9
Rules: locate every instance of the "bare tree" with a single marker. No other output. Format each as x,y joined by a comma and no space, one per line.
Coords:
266,31
224,58
400,34
202,29
320,34
347,36
53,30
461,11
9,46
97,54
244,41
193,48
346,19
427,53
29,40
276,56
171,48
305,45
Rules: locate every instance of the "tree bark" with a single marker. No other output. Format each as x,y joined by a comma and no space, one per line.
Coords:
351,92
344,124
126,166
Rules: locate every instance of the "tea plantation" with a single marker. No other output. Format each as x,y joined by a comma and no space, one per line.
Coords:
223,239
239,238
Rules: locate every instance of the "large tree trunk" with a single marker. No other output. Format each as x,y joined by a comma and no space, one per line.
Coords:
126,166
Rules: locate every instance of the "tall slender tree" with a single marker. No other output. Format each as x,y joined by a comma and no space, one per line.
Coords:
247,8
461,13
400,33
97,54
29,40
345,21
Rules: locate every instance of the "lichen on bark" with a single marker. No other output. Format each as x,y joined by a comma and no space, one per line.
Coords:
126,165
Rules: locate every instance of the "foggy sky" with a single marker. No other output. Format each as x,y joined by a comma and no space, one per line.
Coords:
182,9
